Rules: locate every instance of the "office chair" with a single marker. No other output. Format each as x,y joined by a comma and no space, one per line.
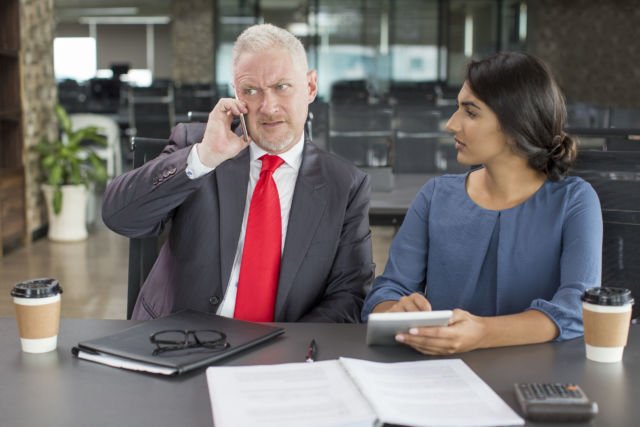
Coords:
198,97
151,110
318,123
350,92
628,119
615,175
111,153
144,251
415,93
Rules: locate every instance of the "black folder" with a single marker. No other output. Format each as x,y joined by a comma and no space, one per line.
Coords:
132,349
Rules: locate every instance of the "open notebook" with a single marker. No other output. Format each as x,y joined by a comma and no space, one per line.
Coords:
131,348
351,392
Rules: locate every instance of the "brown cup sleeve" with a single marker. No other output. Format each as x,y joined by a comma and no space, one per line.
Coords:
38,321
606,329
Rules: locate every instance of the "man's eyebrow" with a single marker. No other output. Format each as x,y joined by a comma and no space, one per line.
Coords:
281,81
469,104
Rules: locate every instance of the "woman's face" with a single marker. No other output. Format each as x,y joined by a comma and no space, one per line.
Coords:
476,130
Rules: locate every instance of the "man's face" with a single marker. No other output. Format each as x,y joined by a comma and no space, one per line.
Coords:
277,93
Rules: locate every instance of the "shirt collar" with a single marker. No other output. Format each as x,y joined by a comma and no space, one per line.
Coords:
292,157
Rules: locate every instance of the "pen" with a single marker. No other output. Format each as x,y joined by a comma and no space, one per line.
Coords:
312,350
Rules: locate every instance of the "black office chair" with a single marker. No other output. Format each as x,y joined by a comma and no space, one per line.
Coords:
318,123
414,93
198,97
142,252
616,178
151,110
350,92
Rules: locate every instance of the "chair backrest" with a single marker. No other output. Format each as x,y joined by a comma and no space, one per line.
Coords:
360,120
415,93
616,178
363,151
416,119
110,129
151,110
142,252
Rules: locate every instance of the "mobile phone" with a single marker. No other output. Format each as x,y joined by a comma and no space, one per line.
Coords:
243,123
245,134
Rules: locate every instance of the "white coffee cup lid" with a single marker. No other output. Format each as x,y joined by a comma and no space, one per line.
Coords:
37,288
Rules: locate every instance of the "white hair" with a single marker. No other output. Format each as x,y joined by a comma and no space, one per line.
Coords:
263,37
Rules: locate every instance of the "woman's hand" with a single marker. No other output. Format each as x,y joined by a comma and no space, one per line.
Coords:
464,333
414,302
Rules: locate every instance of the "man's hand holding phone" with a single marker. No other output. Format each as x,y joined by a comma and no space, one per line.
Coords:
220,143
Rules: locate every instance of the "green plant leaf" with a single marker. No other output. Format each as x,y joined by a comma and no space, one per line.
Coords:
63,119
99,170
57,201
55,175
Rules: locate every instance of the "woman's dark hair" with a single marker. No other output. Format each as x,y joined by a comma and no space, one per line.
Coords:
523,94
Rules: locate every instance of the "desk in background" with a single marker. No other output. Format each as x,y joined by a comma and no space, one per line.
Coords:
55,389
388,208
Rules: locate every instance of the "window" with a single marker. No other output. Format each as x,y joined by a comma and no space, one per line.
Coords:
68,64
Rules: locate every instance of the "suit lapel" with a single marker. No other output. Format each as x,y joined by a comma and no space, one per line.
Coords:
232,178
307,207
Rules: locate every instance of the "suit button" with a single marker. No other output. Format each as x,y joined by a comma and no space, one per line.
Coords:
214,300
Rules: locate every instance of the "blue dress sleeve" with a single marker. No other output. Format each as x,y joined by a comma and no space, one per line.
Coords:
405,272
580,262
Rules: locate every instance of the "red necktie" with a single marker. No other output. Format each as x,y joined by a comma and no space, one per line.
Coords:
260,266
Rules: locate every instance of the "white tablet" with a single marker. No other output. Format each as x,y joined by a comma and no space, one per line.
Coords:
383,327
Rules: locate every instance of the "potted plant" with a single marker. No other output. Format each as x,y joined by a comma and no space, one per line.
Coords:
70,168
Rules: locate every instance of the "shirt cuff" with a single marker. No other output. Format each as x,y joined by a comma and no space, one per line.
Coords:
195,168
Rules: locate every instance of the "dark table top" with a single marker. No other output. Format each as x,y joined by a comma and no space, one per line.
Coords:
55,389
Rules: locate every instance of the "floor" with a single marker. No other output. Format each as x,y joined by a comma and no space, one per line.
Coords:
93,273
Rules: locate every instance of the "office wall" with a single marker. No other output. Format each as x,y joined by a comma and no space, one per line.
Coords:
192,41
121,43
593,47
38,97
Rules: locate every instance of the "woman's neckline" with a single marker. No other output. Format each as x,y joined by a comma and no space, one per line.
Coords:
506,209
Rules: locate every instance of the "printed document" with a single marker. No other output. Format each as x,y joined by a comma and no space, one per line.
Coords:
352,392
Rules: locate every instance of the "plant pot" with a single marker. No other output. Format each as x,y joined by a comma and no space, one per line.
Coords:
70,225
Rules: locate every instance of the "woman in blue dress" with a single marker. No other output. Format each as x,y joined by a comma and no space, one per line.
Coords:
509,246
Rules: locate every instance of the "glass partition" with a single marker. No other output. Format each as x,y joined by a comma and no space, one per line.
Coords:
379,42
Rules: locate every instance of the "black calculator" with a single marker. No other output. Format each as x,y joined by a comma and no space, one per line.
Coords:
555,402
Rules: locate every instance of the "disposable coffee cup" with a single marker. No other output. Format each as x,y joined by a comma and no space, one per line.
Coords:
37,304
606,313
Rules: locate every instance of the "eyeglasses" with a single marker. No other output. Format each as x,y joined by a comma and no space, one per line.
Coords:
175,339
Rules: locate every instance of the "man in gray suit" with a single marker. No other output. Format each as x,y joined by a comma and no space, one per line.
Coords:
203,184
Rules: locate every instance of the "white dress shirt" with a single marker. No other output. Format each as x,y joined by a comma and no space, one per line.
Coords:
285,178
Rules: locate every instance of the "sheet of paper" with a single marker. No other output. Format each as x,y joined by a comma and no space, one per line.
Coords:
287,395
430,393
119,362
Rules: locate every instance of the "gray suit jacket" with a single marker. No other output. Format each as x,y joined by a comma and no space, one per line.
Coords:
326,260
